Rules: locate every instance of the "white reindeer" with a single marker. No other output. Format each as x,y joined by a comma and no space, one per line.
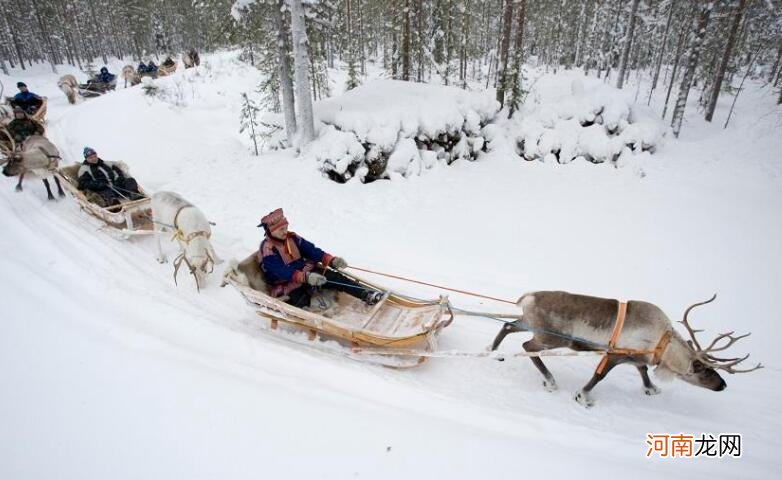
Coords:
68,85
173,214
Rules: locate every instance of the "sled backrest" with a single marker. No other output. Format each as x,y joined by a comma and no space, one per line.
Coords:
251,269
71,173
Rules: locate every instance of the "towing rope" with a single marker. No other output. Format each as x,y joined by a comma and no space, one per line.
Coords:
465,292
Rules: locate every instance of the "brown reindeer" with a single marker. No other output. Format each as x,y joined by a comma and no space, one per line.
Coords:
584,323
68,85
37,155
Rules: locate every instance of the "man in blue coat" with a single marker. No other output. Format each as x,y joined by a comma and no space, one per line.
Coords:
104,76
288,262
27,100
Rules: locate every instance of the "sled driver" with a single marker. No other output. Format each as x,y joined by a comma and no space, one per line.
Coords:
289,264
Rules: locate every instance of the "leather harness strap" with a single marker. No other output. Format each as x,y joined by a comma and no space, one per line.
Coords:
618,324
657,353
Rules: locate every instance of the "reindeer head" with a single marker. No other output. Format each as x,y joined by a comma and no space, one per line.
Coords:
698,365
199,257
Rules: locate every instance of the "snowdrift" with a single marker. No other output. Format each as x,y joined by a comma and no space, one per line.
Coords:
389,128
598,124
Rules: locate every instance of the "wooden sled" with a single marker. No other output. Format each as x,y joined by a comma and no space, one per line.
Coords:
131,216
394,323
39,115
96,89
163,70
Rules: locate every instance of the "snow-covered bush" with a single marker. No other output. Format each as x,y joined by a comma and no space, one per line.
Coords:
596,124
402,128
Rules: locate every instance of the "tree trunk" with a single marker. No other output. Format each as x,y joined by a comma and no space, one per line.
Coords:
692,63
518,59
305,118
676,61
406,41
659,62
628,43
286,82
502,70
776,63
715,89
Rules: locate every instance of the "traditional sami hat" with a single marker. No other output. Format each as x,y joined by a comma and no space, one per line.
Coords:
274,220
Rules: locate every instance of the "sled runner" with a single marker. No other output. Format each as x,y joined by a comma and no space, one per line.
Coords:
395,322
129,216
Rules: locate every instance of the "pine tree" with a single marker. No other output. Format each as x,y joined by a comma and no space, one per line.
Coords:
249,119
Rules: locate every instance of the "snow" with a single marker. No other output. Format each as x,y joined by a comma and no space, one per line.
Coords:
110,370
390,115
593,123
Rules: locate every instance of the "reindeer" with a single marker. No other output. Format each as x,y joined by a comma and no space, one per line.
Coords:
172,213
637,332
68,85
36,155
191,58
130,75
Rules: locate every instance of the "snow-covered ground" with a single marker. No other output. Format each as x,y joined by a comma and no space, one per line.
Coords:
111,371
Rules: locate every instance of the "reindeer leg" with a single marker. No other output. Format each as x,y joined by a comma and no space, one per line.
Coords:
508,328
548,379
161,258
48,189
19,184
583,397
649,387
59,187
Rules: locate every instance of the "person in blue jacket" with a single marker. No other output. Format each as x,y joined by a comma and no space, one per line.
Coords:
104,76
288,262
26,100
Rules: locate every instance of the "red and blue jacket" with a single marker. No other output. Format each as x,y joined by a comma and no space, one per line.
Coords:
285,263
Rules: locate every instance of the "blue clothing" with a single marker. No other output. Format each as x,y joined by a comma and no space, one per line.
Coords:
105,77
27,101
273,260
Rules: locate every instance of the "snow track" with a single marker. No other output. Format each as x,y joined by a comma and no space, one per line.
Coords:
111,371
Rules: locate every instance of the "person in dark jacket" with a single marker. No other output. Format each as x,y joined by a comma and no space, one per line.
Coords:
288,262
26,99
109,182
22,126
104,76
142,68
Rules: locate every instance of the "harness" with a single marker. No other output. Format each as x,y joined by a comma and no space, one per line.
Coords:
656,353
180,236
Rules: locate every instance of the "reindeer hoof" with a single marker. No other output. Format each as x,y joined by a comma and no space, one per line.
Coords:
550,385
50,197
653,390
61,194
584,399
18,188
162,260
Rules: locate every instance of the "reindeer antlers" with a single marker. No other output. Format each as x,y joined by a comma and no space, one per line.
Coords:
705,354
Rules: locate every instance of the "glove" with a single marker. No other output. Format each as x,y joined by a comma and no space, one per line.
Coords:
338,263
316,279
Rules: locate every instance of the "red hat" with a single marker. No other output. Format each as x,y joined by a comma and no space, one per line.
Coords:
274,220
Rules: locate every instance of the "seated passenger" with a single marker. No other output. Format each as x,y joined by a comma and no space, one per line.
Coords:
142,68
27,100
104,76
289,261
108,183
22,126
